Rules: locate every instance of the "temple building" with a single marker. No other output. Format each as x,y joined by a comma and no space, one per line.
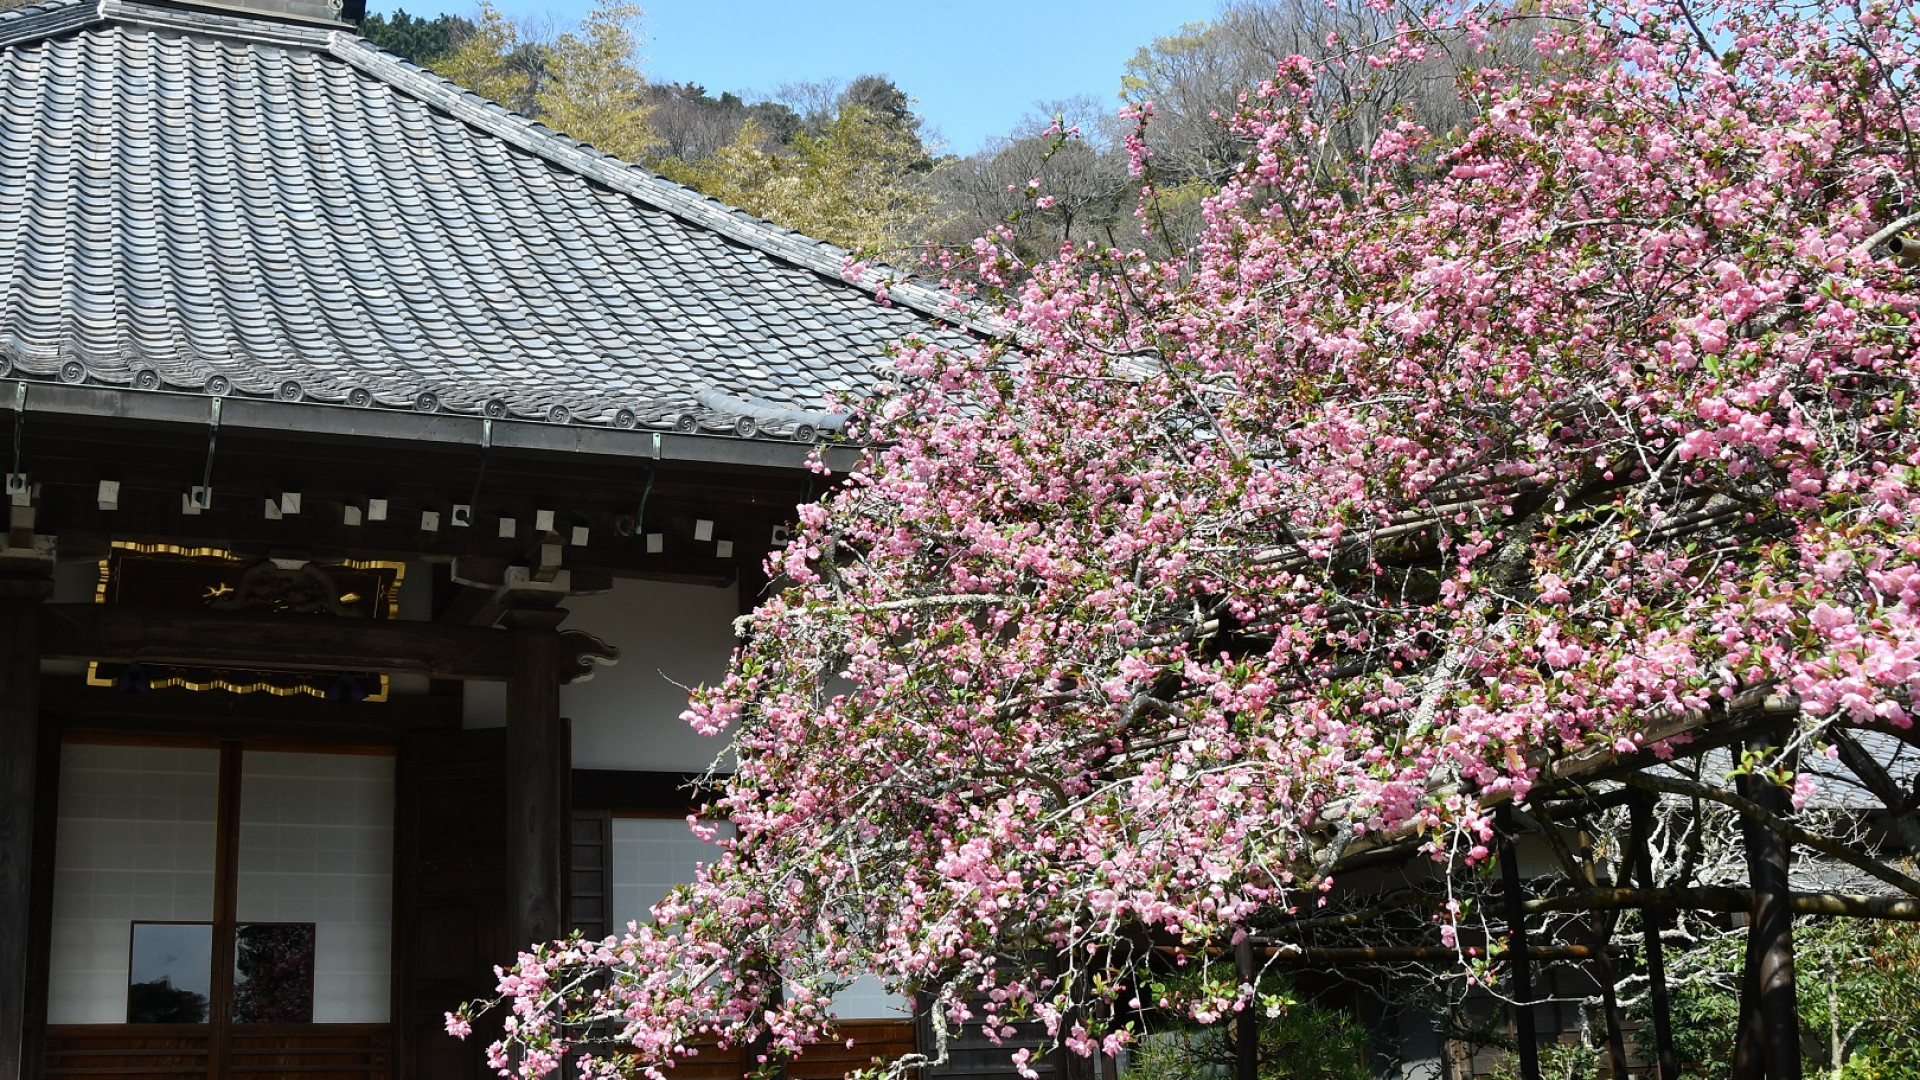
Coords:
380,468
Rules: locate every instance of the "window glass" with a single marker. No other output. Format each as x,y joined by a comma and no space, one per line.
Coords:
273,973
170,973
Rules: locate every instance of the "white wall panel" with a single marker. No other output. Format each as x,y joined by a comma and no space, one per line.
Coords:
651,856
316,845
136,841
628,716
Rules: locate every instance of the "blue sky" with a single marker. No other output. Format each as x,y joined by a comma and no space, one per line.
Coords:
975,66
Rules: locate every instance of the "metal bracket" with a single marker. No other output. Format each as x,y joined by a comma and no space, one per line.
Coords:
202,496
653,468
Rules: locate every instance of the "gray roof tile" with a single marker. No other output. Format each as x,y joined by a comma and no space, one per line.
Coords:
191,195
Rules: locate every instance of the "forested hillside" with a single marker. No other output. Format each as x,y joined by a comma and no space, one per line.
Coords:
851,163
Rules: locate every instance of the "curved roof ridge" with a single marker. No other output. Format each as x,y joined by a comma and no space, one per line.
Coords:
45,19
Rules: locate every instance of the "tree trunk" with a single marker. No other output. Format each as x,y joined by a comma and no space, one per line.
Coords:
1246,1026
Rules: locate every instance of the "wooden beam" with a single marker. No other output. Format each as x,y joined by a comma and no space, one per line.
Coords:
80,707
19,759
271,642
632,791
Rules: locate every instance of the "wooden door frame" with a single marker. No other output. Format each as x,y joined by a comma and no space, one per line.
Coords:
219,1029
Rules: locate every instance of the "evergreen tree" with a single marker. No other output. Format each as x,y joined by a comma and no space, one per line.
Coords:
421,40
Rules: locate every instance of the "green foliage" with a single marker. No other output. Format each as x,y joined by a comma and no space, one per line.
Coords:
736,173
585,82
1864,973
423,41
495,62
857,182
1558,1061
596,93
1299,1039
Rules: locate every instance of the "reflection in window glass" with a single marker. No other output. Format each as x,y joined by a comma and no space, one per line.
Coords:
273,974
170,974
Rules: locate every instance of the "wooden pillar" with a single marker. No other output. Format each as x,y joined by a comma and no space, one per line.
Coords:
40,957
538,759
1519,963
1770,990
1246,1025
1654,923
1610,999
20,600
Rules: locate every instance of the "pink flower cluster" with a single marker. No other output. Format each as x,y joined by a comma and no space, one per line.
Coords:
1408,480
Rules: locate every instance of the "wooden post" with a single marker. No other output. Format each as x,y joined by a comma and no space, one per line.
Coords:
1654,923
20,600
1609,999
226,898
40,957
1246,1025
538,758
1749,1045
1770,935
1518,960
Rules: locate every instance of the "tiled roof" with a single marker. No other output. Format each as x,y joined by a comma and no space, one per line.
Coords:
206,203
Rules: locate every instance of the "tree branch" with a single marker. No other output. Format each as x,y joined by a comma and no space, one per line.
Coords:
1781,826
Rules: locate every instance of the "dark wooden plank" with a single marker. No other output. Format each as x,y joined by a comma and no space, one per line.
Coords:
590,873
538,760
327,1052
451,887
220,715
19,759
875,1039
127,1051
276,643
40,915
637,791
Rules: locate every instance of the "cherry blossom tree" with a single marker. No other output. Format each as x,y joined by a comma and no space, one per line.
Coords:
1426,473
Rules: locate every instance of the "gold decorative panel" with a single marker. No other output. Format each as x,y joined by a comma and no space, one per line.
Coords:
211,579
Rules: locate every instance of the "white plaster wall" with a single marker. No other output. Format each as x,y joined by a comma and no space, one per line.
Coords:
628,716
867,999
